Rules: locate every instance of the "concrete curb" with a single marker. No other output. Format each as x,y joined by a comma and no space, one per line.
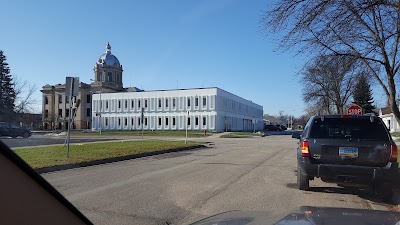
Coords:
111,160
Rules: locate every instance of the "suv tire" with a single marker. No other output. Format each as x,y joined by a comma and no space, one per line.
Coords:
303,182
25,135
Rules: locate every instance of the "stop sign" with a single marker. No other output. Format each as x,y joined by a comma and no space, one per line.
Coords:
354,110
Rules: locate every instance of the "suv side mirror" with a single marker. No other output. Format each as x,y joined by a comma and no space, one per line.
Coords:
296,135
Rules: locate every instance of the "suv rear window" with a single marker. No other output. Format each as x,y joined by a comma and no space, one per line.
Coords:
344,128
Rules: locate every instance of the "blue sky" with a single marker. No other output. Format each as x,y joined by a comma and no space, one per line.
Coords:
161,45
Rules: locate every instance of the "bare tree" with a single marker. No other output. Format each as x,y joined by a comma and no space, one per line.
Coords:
368,30
328,80
24,102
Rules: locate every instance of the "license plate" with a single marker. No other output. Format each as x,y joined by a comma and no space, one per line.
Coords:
348,152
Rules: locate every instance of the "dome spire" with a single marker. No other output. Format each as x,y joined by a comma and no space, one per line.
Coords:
108,48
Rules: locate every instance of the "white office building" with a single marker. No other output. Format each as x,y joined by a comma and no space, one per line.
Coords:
211,109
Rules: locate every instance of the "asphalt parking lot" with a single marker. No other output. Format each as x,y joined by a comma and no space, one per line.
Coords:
251,174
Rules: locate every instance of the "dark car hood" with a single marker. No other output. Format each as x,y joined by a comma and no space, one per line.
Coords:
306,216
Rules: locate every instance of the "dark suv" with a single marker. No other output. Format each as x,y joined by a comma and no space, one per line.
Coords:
350,150
7,129
272,127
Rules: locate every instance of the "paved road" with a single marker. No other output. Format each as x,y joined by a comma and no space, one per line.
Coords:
255,174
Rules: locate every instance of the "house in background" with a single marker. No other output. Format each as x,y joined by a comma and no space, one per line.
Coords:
389,119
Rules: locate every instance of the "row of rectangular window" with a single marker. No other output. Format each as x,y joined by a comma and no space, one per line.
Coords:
60,112
159,103
159,121
88,100
46,99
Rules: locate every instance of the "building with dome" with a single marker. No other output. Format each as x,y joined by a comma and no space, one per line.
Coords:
55,106
119,108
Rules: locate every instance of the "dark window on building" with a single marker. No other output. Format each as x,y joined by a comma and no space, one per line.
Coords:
132,121
204,101
204,121
87,98
119,104
159,121
60,112
145,103
88,112
196,102
188,100
46,113
197,121
188,121
166,102
106,121
126,104
132,103
145,121
138,122
159,103
139,103
106,104
119,121
173,102
59,98
126,121
46,100
109,76
173,121
166,121
67,113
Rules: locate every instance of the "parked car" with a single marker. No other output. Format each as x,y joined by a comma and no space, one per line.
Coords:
272,127
349,150
10,130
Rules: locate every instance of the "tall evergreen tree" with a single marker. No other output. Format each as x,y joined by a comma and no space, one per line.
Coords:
7,93
362,94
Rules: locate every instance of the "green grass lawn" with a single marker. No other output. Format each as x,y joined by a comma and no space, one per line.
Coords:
168,133
395,134
40,157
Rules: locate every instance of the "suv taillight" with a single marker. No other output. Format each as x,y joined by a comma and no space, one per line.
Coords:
393,153
304,149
